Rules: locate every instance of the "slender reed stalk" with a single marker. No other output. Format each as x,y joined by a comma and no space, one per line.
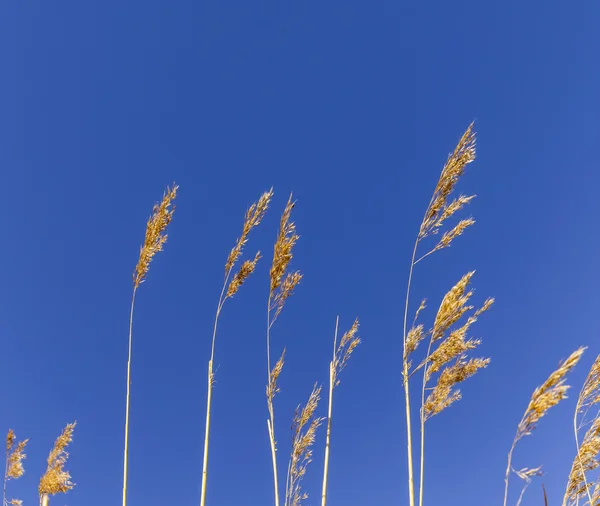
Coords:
304,429
15,454
544,397
56,480
341,355
254,216
436,214
282,284
154,241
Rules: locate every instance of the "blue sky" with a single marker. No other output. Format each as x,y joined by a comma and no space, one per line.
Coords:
353,106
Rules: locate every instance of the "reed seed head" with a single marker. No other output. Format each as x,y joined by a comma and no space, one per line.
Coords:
272,388
240,276
453,307
439,210
14,456
452,234
590,393
444,393
304,430
282,252
254,216
586,460
548,395
56,479
348,343
162,214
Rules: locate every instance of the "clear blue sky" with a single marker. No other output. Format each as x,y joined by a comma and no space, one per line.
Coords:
351,105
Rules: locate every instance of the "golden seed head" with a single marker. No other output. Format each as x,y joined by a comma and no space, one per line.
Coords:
452,234
14,456
56,479
444,393
548,395
272,388
303,440
453,306
282,251
586,460
590,393
347,345
162,214
439,210
413,338
240,276
254,216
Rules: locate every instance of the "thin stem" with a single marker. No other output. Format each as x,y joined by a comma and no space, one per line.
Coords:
274,459
127,404
508,468
411,483
328,439
5,478
422,469
425,256
271,421
527,483
209,394
45,500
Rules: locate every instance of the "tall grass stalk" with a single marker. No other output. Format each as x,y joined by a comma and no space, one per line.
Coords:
154,241
544,397
438,211
282,284
341,355
254,216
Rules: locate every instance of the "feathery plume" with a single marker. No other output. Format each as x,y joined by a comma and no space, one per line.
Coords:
240,276
254,216
439,210
586,460
348,344
544,397
15,457
453,307
548,395
56,479
444,394
155,234
302,443
282,251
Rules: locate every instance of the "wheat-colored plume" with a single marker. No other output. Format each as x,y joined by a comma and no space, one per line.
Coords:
544,397
162,214
15,454
588,453
304,430
56,479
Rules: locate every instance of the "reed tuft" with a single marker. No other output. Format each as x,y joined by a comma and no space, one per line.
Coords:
56,479
587,457
544,397
14,456
304,429
254,215
162,214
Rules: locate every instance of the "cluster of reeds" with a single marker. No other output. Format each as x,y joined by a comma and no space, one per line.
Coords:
446,361
54,481
439,356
